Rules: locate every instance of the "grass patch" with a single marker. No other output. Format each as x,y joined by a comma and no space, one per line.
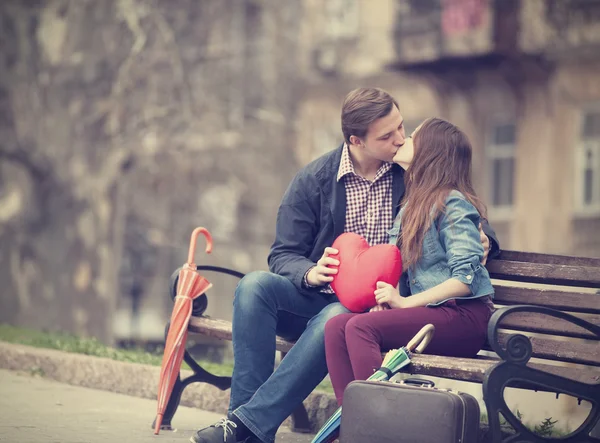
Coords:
91,346
78,345
325,386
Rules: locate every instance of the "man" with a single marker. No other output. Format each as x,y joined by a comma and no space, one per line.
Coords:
354,188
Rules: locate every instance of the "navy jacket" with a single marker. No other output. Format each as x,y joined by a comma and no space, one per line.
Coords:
312,215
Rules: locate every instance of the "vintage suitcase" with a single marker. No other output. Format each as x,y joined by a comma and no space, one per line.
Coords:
412,411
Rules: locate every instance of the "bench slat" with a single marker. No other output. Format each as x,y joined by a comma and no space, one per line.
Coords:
561,300
548,259
221,329
583,276
473,369
211,327
571,351
545,324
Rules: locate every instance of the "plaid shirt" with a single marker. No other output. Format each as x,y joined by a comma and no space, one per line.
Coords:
368,203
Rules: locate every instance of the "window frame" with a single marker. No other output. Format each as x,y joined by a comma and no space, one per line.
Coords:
581,208
493,152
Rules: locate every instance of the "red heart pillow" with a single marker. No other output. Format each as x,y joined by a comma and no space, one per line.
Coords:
361,267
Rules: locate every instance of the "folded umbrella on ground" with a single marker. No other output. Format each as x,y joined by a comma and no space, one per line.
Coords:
190,285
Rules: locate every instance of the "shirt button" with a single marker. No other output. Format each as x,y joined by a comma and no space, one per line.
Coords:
468,277
413,281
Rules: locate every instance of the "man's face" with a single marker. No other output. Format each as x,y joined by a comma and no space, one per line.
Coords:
384,136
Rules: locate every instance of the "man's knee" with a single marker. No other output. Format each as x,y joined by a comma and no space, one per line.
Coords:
256,287
255,281
252,286
333,310
329,312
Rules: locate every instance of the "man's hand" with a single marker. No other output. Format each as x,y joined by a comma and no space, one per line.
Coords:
485,241
322,273
387,294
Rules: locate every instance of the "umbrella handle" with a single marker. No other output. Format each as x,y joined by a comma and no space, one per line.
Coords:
193,241
420,341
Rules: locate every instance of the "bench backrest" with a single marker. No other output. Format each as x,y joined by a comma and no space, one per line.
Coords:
569,284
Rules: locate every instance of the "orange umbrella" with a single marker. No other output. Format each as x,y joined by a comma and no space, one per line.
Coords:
189,286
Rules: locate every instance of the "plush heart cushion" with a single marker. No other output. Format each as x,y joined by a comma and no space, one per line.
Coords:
361,267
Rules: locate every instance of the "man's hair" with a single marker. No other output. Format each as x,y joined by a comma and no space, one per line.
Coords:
362,107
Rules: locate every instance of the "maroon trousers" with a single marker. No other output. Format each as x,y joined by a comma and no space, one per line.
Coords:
354,342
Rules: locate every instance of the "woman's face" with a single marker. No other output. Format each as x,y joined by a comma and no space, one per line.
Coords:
405,154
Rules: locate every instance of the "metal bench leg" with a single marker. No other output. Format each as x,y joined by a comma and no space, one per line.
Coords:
200,375
172,406
300,421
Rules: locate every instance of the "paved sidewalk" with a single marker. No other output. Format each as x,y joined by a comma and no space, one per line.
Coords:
37,410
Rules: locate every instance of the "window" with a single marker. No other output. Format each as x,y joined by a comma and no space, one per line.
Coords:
588,163
500,153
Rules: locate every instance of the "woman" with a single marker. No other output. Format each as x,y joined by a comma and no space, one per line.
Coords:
441,251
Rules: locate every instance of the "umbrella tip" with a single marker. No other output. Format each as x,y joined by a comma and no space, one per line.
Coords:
159,418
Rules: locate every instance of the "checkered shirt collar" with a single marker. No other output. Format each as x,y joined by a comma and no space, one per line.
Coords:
347,167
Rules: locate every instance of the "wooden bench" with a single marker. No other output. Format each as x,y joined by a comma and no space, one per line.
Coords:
566,355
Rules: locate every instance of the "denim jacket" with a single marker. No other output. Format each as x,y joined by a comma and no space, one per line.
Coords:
451,249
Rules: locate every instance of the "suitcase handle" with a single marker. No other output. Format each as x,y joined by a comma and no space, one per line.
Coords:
423,382
420,341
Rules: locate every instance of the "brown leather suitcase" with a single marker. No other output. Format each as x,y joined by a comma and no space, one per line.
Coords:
412,411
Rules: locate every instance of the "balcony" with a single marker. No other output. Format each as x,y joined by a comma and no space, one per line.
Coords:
561,29
431,33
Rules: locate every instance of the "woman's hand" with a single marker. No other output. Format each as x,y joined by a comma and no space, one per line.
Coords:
387,294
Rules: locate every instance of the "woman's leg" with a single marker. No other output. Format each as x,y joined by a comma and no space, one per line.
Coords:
338,360
460,331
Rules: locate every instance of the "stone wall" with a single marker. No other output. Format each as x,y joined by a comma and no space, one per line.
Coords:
124,124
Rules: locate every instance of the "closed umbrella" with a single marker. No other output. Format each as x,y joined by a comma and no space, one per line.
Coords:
190,285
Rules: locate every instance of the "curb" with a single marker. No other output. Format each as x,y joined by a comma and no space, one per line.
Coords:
134,379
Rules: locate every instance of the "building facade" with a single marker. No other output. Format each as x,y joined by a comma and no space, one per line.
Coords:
520,77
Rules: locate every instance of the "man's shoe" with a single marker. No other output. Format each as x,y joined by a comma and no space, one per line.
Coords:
223,431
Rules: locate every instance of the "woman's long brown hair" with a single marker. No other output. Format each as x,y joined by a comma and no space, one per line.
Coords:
441,163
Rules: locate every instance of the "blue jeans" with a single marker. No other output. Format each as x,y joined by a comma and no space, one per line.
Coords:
266,305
